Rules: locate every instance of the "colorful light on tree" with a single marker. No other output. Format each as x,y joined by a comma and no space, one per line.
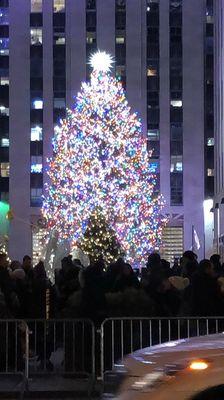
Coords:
101,161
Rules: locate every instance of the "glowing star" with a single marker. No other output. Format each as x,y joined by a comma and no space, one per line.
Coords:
101,61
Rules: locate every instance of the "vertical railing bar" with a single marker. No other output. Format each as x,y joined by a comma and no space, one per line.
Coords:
73,347
150,332
188,328
160,333
63,339
207,328
102,349
54,336
112,343
45,344
198,331
27,354
131,327
169,330
216,325
122,339
16,344
35,343
178,329
7,345
140,334
93,352
83,347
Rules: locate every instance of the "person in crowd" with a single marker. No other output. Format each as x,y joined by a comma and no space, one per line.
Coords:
125,279
166,297
218,267
206,295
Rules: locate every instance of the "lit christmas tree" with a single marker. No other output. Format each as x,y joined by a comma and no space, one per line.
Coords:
99,240
100,162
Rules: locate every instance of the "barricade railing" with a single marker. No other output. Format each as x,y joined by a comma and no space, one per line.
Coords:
14,347
121,336
62,346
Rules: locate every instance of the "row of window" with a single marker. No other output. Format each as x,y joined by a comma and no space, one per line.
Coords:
37,6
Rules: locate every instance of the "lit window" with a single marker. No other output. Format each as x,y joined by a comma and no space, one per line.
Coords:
176,164
153,134
4,169
4,81
210,172
120,39
210,141
4,110
4,142
59,103
36,164
176,103
36,36
59,37
36,6
4,46
59,6
151,72
36,133
4,16
90,37
37,104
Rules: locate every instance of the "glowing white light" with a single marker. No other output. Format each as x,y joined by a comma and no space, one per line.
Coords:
101,61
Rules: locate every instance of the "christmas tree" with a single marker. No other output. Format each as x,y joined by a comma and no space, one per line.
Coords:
99,240
100,162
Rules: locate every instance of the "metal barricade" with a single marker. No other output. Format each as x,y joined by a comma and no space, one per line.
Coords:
64,347
121,336
14,354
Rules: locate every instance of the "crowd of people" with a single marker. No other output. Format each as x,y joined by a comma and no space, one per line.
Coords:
187,288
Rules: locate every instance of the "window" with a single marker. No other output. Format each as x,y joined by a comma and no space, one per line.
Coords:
36,197
90,4
153,134
59,6
120,39
4,171
176,188
36,6
90,37
4,110
210,141
151,72
59,102
4,81
36,36
176,103
37,104
4,16
176,164
210,172
4,142
36,164
4,46
36,133
59,35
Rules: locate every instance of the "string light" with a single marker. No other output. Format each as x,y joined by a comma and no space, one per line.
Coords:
101,162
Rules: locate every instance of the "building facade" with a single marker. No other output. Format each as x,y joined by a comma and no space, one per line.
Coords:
159,52
218,206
